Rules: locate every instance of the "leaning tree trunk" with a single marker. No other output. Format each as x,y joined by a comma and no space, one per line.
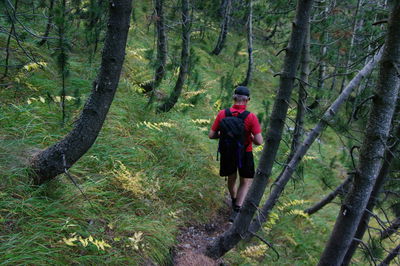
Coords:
373,199
161,49
239,228
49,24
280,184
176,92
250,66
50,162
373,147
224,28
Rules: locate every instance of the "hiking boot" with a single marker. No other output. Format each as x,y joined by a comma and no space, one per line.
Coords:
233,216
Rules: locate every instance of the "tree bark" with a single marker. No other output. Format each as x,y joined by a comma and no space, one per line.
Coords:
395,225
353,36
302,94
341,189
224,28
380,181
12,30
49,22
373,147
185,54
280,184
161,49
391,256
239,228
250,66
49,163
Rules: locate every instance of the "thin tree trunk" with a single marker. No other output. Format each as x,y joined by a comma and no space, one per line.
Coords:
280,184
341,189
301,101
173,98
224,28
353,36
395,225
12,30
49,22
392,255
250,66
372,150
239,228
161,44
161,50
49,163
380,181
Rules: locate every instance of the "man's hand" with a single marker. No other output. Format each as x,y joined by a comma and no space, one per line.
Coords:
213,134
257,139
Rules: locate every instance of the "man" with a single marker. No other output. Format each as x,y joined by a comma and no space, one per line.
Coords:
229,166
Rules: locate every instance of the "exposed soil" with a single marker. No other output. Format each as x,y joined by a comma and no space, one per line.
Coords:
193,240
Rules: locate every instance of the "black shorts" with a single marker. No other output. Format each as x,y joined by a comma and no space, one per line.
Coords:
229,166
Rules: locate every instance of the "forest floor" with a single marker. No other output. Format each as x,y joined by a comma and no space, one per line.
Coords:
193,240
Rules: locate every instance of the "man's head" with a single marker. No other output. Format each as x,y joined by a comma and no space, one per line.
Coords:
241,95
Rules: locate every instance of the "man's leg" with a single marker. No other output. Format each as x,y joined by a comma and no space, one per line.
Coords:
244,186
232,187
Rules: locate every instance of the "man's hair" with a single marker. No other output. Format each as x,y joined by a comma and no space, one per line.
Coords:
240,98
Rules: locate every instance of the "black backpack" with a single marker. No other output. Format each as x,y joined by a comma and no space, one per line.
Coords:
232,136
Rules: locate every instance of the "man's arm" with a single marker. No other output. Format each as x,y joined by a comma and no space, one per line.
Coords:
258,139
213,134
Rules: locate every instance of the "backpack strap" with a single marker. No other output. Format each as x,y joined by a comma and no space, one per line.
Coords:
228,112
243,115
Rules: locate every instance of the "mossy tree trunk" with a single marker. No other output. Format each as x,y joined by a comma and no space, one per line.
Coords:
185,54
49,163
240,226
373,147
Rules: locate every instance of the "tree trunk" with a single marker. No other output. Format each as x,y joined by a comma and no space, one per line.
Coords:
12,30
224,28
49,163
341,189
280,184
392,255
49,23
161,44
176,92
302,94
161,49
239,228
250,66
395,225
353,36
373,147
380,181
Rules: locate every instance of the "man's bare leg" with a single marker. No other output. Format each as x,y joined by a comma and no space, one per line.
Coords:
244,186
232,187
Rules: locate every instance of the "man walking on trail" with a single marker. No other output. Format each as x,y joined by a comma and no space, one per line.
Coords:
236,153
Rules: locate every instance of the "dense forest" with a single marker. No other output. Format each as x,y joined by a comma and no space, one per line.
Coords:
105,113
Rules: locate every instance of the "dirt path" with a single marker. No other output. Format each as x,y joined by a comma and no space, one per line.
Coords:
193,240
